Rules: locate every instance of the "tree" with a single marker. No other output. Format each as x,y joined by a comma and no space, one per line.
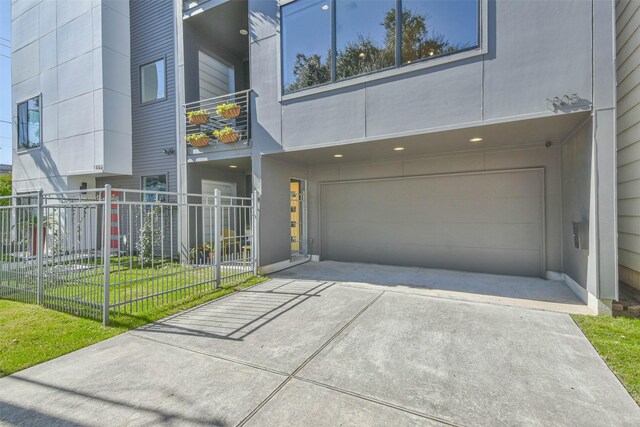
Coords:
6,189
418,42
363,56
151,235
310,71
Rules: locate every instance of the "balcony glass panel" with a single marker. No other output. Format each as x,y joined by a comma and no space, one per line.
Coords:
365,36
436,27
306,44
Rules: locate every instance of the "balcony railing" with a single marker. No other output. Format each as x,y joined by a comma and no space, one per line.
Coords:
223,120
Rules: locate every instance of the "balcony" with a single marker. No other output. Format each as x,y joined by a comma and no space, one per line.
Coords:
218,124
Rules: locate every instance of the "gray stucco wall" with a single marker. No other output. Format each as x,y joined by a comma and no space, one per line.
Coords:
628,77
275,214
523,66
153,124
576,200
275,226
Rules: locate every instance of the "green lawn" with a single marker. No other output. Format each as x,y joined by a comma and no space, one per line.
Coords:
617,339
76,286
30,334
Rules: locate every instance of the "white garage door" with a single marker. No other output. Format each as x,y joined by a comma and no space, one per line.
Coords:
488,222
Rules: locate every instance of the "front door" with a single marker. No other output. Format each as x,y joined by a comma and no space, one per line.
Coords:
296,189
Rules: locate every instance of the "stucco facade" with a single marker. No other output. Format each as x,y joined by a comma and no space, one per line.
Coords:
75,56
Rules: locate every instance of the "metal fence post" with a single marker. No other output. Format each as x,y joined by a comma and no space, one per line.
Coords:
40,248
106,252
217,232
254,230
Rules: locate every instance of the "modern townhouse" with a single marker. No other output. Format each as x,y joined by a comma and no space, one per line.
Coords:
474,135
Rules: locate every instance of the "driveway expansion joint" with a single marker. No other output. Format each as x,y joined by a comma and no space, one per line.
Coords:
379,402
215,356
309,359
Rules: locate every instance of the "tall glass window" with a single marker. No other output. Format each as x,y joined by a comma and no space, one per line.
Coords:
437,27
153,81
29,125
365,36
306,44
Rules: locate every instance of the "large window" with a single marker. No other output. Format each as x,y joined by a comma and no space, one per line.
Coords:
29,123
306,44
153,81
365,36
153,183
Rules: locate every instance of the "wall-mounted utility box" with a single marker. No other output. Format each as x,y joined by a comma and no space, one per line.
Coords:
581,235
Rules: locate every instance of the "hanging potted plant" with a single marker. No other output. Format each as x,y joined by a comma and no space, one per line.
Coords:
198,117
226,135
228,110
198,139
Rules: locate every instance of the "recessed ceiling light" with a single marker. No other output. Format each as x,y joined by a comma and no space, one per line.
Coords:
338,156
233,166
476,139
325,7
398,149
244,32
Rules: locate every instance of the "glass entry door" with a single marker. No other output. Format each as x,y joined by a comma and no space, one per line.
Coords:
298,238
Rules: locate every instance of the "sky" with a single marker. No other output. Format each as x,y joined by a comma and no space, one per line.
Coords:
5,82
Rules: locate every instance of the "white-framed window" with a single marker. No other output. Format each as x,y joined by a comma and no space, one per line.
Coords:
29,123
153,81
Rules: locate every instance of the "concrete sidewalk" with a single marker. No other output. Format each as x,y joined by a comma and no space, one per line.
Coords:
313,352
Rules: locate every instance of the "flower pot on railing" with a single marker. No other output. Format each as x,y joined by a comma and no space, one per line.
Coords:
198,117
228,110
198,140
226,135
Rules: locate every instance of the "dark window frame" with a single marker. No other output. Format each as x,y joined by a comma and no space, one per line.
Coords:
21,147
146,192
398,60
140,84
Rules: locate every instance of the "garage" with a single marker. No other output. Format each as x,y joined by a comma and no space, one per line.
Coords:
489,222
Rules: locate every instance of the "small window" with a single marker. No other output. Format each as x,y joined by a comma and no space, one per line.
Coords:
29,134
153,183
153,81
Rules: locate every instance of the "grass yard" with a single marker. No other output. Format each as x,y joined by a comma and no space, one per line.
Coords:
30,334
617,339
77,286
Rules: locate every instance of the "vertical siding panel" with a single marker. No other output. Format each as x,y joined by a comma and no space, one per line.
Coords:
628,14
153,124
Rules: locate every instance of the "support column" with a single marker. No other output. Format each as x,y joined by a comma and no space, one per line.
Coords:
604,151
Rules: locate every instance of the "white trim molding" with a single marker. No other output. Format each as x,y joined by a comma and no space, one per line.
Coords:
598,306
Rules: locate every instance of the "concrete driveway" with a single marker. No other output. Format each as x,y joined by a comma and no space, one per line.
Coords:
305,352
